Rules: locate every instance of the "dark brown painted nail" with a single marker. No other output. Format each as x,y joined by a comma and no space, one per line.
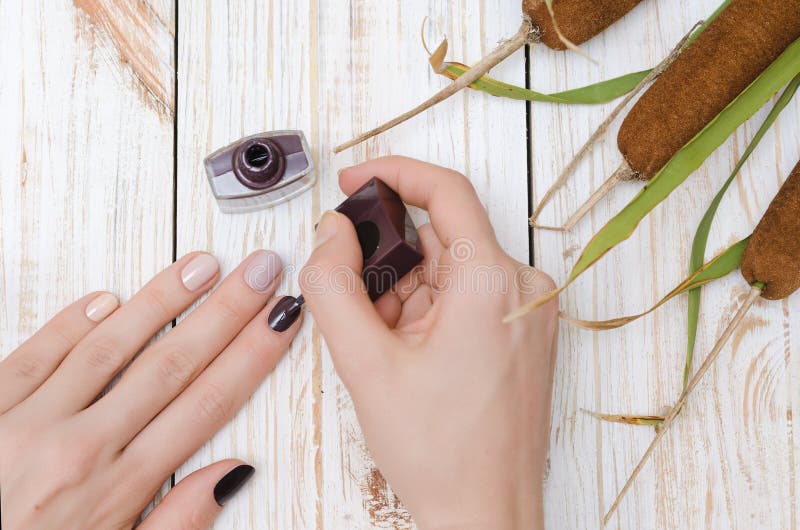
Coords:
232,482
285,312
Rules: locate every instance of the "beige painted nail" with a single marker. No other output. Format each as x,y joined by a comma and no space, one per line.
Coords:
101,306
262,269
199,271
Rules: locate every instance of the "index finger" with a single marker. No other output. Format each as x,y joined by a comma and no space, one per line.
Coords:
447,195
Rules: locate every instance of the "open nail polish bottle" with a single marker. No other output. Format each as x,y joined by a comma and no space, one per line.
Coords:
386,233
388,242
260,171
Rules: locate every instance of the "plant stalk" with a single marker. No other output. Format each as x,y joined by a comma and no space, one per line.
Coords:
755,292
622,174
587,147
496,56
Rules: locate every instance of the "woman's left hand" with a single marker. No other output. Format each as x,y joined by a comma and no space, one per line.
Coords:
69,459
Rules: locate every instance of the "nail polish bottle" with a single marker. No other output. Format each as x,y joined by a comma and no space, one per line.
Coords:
260,171
386,233
388,242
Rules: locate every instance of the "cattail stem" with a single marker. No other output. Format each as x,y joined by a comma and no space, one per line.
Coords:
590,143
755,292
525,34
623,173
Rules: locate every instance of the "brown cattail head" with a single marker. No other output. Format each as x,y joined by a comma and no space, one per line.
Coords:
730,53
772,256
578,20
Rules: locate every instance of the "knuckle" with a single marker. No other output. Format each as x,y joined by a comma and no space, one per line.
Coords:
214,405
194,519
259,352
63,335
312,278
545,281
102,355
455,179
156,301
69,467
29,366
252,347
226,309
175,364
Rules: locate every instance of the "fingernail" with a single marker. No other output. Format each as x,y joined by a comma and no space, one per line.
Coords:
232,482
199,271
284,314
262,269
326,228
102,306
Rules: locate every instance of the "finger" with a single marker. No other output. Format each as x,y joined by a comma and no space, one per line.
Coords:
107,349
388,306
22,372
336,296
416,307
209,402
197,500
167,367
429,243
447,195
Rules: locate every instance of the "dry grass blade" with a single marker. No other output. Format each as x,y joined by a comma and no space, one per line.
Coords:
628,419
496,56
622,174
587,147
755,292
524,310
722,265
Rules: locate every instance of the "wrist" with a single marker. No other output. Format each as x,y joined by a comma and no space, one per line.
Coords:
512,512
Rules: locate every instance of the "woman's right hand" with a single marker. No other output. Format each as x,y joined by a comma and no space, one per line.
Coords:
454,404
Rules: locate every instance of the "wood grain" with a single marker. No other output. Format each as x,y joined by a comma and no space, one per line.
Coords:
85,161
86,202
730,461
321,67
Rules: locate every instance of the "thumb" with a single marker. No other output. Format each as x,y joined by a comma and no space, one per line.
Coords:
336,296
197,500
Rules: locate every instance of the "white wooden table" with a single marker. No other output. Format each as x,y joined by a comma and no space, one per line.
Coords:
101,186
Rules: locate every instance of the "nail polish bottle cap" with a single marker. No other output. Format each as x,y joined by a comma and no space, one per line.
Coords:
386,233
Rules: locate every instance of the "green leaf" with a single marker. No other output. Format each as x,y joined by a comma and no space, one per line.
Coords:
691,157
718,267
708,21
701,236
679,167
601,92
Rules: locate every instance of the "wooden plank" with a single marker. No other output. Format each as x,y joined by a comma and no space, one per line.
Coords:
85,156
86,184
476,134
246,67
731,460
266,65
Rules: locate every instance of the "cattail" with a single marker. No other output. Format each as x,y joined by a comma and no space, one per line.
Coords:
577,20
773,255
724,59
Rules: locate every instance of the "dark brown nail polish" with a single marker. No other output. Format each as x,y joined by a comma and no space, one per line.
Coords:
232,482
285,312
260,171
